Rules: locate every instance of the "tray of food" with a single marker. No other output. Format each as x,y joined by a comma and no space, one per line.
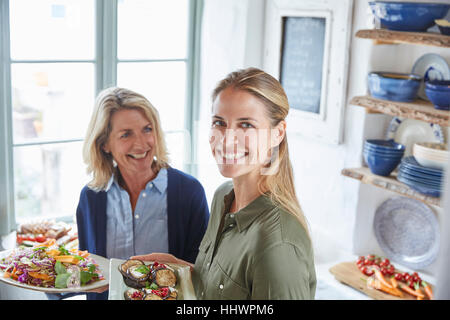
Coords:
134,279
378,278
34,232
52,268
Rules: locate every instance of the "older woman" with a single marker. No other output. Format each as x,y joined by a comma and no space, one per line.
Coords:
136,203
257,244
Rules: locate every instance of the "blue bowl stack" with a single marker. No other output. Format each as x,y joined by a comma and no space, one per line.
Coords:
383,156
425,180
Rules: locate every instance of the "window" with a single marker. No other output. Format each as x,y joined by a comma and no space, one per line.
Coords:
56,55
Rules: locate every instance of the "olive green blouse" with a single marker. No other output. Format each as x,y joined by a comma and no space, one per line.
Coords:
260,252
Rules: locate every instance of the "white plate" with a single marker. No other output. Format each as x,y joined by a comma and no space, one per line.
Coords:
407,230
430,66
410,131
117,286
103,264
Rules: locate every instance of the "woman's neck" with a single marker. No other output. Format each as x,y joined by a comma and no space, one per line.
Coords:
135,183
245,191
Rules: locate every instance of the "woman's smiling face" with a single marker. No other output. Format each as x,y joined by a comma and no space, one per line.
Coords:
131,141
240,133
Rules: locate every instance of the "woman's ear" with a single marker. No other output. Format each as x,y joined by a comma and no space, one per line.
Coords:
105,148
278,133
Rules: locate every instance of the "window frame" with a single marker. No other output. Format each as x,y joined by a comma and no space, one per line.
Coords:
105,66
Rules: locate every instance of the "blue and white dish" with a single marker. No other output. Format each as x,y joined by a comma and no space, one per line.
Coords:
408,16
410,162
393,86
424,181
424,189
407,231
430,66
419,175
411,131
438,91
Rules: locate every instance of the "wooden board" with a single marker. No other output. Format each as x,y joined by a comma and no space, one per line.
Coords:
398,37
349,274
390,183
419,109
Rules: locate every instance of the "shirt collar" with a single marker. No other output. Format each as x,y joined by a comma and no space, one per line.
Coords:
160,181
249,213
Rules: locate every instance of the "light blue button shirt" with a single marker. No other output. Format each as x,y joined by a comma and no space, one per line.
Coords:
143,231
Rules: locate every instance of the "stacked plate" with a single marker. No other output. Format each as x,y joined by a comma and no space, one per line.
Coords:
425,180
431,155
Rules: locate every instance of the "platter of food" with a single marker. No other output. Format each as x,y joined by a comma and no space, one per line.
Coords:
378,278
52,268
34,232
138,280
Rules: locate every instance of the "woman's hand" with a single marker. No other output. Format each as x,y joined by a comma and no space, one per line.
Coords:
163,258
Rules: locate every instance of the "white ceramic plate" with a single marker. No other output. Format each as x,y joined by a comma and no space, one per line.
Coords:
117,286
430,66
407,230
410,131
103,264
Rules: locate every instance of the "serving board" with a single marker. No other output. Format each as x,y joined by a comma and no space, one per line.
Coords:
349,274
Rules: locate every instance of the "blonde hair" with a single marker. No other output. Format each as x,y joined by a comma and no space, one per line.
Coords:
279,185
109,101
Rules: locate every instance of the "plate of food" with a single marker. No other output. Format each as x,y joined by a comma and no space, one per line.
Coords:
51,268
138,280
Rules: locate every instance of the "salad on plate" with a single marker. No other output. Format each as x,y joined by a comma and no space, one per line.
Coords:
49,265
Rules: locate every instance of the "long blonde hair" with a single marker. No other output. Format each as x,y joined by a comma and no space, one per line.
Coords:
279,185
109,101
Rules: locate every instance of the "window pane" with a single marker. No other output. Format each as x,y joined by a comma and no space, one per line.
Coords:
152,29
48,179
52,29
163,84
51,101
179,146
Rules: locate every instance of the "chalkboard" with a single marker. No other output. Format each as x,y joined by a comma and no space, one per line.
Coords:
303,43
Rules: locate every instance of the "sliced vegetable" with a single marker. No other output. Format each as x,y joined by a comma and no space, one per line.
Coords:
411,291
428,290
41,276
68,259
377,284
380,277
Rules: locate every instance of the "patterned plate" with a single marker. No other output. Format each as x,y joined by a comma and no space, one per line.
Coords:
430,66
407,230
411,131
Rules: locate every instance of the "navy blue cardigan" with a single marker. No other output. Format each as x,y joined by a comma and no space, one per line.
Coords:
187,210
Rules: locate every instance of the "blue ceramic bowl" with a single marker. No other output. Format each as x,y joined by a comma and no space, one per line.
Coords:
393,86
397,155
438,91
385,145
408,16
382,166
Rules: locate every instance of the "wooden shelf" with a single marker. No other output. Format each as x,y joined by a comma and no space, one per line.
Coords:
384,36
419,109
389,183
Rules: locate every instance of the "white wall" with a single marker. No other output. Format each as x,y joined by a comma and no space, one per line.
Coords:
339,209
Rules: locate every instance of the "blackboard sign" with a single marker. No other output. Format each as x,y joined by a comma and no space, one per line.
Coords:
301,64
